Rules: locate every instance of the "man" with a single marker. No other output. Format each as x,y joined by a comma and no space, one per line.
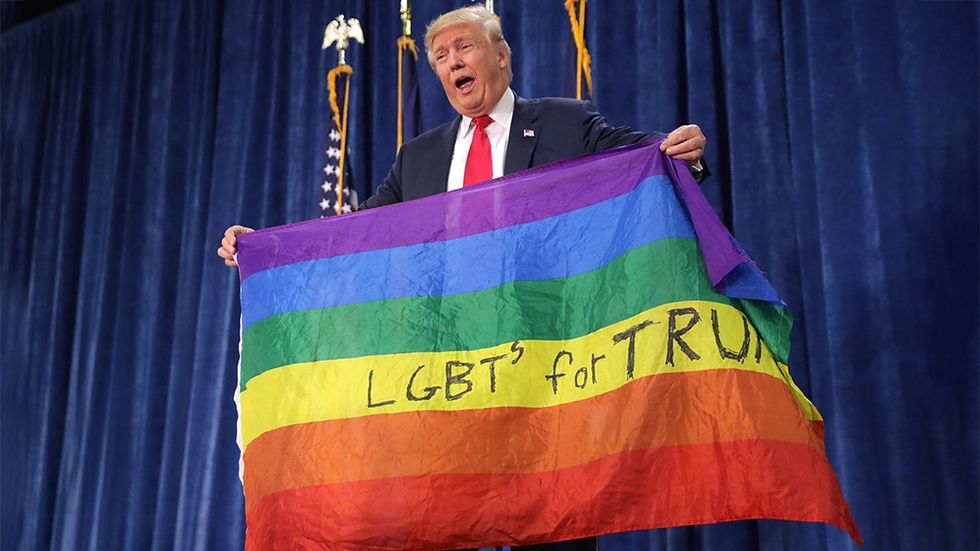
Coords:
497,133
472,59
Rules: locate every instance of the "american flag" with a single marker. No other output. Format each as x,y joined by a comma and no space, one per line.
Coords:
331,177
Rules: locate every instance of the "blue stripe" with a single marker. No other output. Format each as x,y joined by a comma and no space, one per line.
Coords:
561,246
746,281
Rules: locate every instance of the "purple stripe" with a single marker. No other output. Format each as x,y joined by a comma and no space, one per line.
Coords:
721,256
521,197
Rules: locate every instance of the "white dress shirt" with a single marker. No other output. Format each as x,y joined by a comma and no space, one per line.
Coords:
498,132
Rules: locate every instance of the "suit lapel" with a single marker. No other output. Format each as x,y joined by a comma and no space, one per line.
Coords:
524,129
440,158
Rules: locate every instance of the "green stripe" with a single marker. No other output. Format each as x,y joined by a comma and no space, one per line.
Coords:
665,271
772,322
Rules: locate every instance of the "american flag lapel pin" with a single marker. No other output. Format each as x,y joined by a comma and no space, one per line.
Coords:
528,133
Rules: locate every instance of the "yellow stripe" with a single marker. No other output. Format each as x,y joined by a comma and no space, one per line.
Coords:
517,374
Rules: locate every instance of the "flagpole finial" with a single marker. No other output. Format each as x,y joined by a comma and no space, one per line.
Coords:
341,32
406,14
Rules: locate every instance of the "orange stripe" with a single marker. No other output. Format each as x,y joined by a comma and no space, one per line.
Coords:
674,486
664,410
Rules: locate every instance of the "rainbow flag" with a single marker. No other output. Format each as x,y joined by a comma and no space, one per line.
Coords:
568,351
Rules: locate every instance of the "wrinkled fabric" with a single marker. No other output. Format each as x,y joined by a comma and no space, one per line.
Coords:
843,142
453,380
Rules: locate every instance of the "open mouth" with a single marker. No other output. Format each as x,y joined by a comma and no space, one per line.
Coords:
464,84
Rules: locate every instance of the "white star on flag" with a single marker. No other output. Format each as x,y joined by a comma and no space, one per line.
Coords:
334,198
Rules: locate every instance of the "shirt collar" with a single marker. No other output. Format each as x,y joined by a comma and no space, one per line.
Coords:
502,113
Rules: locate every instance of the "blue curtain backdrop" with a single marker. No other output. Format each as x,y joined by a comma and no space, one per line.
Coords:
844,142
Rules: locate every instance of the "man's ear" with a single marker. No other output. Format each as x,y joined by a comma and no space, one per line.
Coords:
503,58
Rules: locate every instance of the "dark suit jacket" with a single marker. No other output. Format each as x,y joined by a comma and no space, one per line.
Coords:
562,128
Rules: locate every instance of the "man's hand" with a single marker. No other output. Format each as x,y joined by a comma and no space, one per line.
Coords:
685,142
229,244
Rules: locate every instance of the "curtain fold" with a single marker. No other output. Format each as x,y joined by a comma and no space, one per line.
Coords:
843,139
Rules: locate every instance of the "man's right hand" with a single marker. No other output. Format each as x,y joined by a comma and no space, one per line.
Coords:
229,244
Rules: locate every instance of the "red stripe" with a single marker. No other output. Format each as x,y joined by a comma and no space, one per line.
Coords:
657,488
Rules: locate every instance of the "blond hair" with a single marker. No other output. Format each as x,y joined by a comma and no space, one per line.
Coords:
470,14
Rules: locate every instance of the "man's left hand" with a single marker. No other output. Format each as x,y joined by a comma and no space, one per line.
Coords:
685,142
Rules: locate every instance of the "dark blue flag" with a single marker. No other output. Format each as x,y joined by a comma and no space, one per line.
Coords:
409,99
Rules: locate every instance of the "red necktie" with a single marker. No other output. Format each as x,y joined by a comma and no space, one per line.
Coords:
479,163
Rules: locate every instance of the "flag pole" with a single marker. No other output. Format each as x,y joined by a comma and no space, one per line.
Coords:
340,32
406,16
405,42
581,51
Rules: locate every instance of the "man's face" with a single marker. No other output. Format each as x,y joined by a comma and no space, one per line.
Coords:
472,71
